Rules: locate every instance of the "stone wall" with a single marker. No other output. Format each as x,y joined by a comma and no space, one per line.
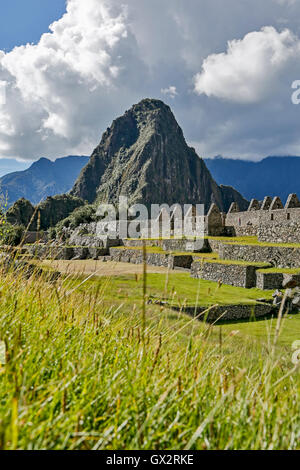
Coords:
232,312
246,231
214,245
230,274
173,244
280,232
281,257
65,252
33,237
269,281
86,235
240,220
270,220
155,259
279,216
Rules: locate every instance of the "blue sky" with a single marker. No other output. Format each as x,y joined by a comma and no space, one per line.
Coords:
23,21
225,67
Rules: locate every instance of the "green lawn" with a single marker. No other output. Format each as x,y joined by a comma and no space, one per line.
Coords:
181,290
180,287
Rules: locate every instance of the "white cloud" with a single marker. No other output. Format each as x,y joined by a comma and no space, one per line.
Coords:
104,55
2,93
55,88
171,91
251,68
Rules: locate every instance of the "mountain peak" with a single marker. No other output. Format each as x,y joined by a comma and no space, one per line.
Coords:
41,163
43,178
150,104
144,156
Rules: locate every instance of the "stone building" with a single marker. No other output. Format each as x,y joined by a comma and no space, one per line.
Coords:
270,220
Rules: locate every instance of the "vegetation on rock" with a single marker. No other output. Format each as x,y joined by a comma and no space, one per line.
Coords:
22,213
145,157
46,215
82,215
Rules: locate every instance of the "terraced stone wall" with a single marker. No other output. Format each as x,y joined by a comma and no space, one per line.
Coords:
231,312
155,259
172,244
269,281
230,274
281,257
65,252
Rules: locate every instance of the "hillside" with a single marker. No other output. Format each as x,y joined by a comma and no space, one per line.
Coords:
144,156
44,178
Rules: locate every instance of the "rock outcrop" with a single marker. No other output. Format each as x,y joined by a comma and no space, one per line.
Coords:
145,157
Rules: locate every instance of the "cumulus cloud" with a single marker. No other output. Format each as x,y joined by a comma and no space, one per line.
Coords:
171,91
56,87
251,68
2,93
104,55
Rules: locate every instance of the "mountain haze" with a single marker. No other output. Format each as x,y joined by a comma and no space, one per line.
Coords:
144,156
44,178
272,176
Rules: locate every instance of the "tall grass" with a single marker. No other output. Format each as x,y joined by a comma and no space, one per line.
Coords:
84,373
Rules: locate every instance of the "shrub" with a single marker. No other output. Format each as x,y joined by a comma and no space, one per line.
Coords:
46,215
52,233
12,235
82,215
57,208
21,213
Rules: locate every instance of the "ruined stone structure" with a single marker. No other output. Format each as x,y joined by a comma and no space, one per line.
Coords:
176,224
269,220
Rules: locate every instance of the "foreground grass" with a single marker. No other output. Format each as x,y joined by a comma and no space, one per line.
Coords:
84,372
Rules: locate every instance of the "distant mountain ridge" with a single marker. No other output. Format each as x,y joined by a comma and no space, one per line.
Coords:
272,176
44,178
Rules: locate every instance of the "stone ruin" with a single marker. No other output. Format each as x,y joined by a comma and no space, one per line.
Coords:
269,220
237,264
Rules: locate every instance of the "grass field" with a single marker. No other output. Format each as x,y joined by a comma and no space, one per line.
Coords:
89,365
280,270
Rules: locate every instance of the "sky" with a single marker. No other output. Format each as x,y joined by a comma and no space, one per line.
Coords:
24,22
226,69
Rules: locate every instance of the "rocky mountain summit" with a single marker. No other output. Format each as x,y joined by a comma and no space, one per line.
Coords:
145,157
